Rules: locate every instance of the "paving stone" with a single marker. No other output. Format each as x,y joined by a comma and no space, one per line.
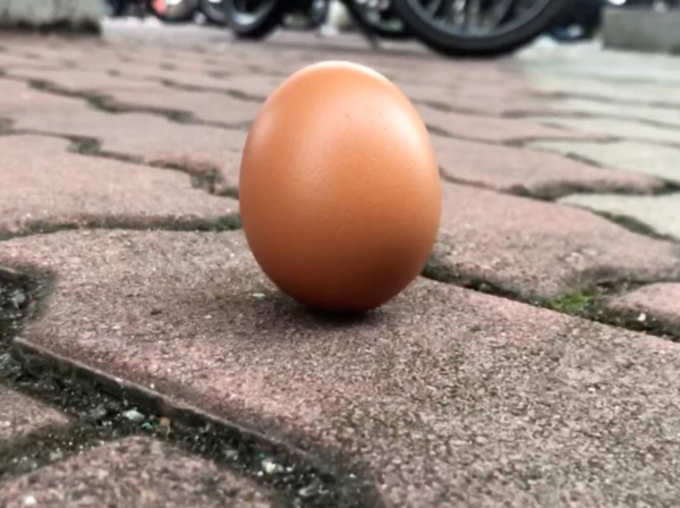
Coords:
489,128
135,471
658,304
22,415
640,93
626,129
660,161
152,138
662,115
660,213
206,106
449,396
538,249
43,185
523,171
79,80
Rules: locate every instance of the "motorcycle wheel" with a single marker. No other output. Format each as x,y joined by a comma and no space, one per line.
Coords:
214,11
253,19
380,21
477,27
173,11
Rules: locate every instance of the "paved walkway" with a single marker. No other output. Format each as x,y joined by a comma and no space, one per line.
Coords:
146,361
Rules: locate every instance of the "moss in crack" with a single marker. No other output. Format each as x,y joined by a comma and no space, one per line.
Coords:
579,303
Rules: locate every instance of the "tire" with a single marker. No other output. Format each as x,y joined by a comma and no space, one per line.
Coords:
447,43
267,16
214,11
386,25
181,12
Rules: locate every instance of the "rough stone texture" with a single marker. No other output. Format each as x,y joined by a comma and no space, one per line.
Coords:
648,114
542,250
655,303
627,129
659,161
206,106
38,13
660,213
22,415
641,30
451,397
79,80
135,471
644,92
152,138
489,128
43,185
525,171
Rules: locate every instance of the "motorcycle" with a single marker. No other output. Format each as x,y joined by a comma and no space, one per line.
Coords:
254,19
451,27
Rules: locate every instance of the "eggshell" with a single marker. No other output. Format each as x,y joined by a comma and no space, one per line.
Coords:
339,188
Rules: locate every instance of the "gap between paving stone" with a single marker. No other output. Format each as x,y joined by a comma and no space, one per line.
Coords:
607,100
525,355
203,176
89,212
108,104
584,115
97,404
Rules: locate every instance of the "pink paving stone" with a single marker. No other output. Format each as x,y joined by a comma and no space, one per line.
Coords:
42,184
523,171
151,138
135,471
659,303
449,396
205,106
128,91
541,250
22,415
79,80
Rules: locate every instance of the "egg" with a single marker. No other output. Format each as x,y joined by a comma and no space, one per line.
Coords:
339,188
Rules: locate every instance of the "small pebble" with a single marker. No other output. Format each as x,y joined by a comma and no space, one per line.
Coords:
133,415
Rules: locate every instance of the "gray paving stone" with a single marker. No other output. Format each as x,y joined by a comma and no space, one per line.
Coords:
659,161
658,304
660,213
494,129
578,86
42,185
626,129
450,397
523,171
22,415
657,114
541,250
135,471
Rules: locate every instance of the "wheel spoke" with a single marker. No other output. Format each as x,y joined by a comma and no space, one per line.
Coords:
433,6
471,16
499,12
479,18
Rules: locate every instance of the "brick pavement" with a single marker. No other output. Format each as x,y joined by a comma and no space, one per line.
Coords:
145,359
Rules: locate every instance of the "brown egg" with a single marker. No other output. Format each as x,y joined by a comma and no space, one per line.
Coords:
339,188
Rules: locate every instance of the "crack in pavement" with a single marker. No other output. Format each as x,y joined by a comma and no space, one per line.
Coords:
519,114
97,402
203,176
596,311
604,99
108,104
